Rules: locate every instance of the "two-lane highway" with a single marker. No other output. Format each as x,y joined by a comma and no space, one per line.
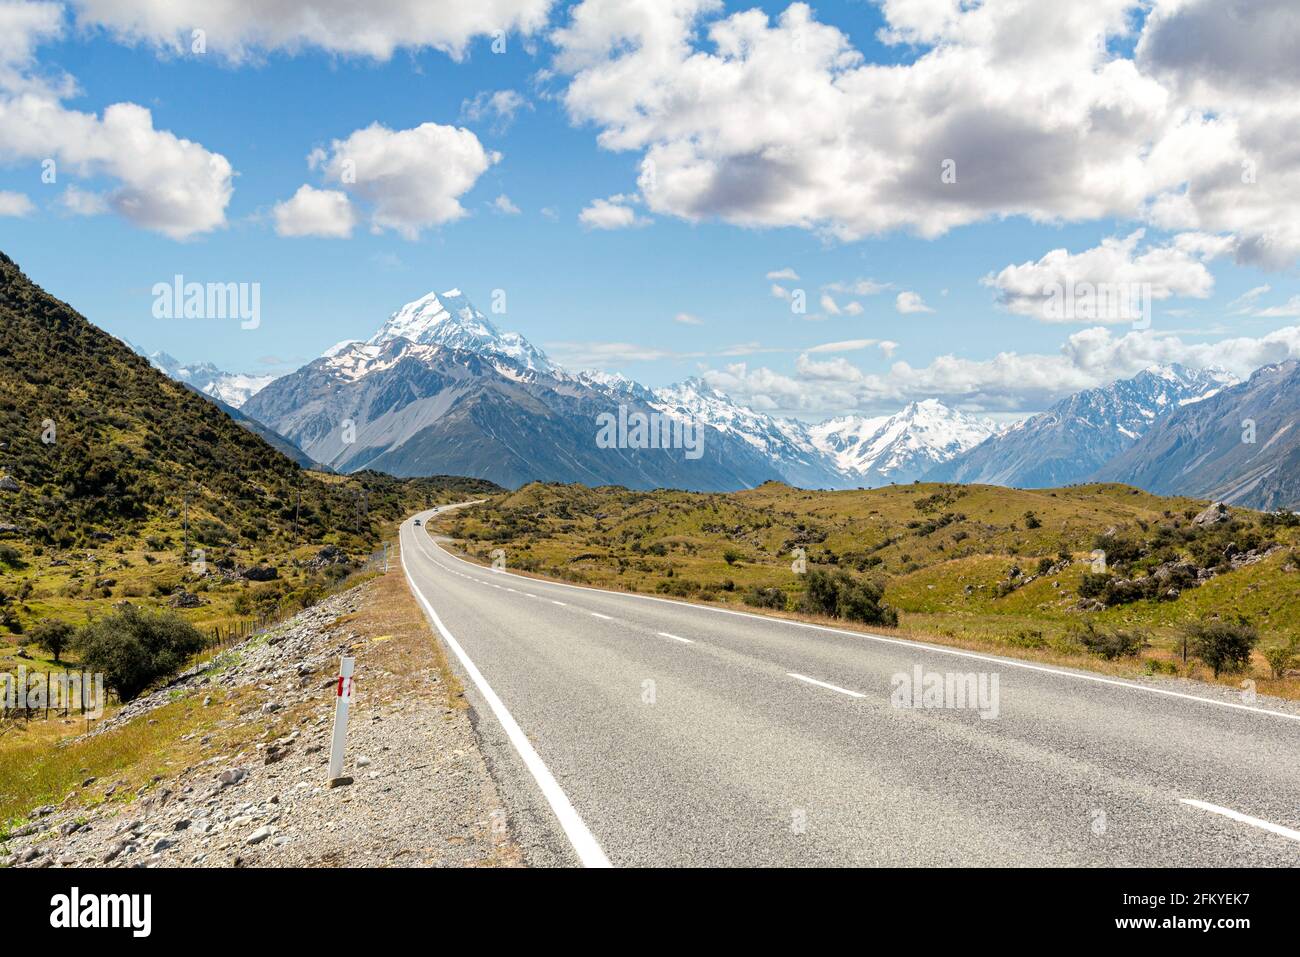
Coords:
653,732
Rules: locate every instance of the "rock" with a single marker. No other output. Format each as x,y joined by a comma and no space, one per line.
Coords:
261,834
8,484
161,845
363,761
340,782
181,825
185,599
88,782
232,776
116,849
260,573
1213,515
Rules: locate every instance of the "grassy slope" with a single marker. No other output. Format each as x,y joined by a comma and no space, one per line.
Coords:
945,581
104,501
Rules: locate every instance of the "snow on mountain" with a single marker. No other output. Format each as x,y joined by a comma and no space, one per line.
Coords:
232,388
900,447
449,319
1082,432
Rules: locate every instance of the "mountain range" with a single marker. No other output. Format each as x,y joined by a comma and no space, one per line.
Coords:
232,388
439,389
439,386
1074,438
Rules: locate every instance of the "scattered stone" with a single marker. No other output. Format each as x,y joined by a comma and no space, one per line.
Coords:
1213,515
340,781
261,834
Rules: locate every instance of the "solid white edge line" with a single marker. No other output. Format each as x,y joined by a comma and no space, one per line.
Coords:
596,614
584,843
903,642
823,684
1260,823
684,641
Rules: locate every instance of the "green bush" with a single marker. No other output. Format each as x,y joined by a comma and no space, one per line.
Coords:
765,598
1112,644
840,595
53,636
1282,656
1223,645
133,648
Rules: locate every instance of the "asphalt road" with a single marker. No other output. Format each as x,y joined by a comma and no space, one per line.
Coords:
642,732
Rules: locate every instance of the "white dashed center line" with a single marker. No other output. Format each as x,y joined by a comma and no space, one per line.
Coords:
684,641
822,684
1263,825
596,614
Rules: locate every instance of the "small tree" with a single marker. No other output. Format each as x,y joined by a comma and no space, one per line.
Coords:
53,636
1112,644
1281,656
1223,645
133,648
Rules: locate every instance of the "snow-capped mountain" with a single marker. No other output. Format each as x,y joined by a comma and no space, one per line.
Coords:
439,389
899,447
232,388
450,319
1082,432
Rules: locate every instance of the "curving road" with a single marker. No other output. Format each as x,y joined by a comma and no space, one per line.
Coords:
636,731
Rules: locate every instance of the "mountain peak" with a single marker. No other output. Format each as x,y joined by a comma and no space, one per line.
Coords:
449,319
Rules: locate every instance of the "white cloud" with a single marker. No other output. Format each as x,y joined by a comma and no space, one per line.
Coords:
239,28
497,107
412,179
787,273
908,302
1174,269
326,213
15,204
847,345
779,291
1009,381
80,202
859,287
1246,301
613,213
163,182
503,205
686,319
1288,309
829,305
782,122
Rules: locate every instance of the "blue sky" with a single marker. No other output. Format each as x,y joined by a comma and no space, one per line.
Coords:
610,297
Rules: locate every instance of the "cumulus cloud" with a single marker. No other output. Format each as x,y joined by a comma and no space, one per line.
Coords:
240,28
1007,382
410,180
503,205
1006,109
495,107
1176,268
163,182
613,213
326,213
908,302
15,204
80,202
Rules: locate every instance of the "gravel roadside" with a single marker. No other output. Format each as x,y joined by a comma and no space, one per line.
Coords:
255,793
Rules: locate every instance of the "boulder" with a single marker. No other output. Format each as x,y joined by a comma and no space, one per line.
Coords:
9,484
1213,515
261,573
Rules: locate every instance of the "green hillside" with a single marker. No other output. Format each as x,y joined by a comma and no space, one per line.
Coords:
103,459
1006,569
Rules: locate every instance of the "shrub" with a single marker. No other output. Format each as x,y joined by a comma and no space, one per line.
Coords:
1282,656
1045,565
1032,520
731,556
132,648
840,595
53,635
1223,645
1093,584
1112,644
765,598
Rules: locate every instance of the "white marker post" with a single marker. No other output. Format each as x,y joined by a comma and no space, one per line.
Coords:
342,699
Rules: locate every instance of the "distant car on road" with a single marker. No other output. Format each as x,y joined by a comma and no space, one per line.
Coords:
417,521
